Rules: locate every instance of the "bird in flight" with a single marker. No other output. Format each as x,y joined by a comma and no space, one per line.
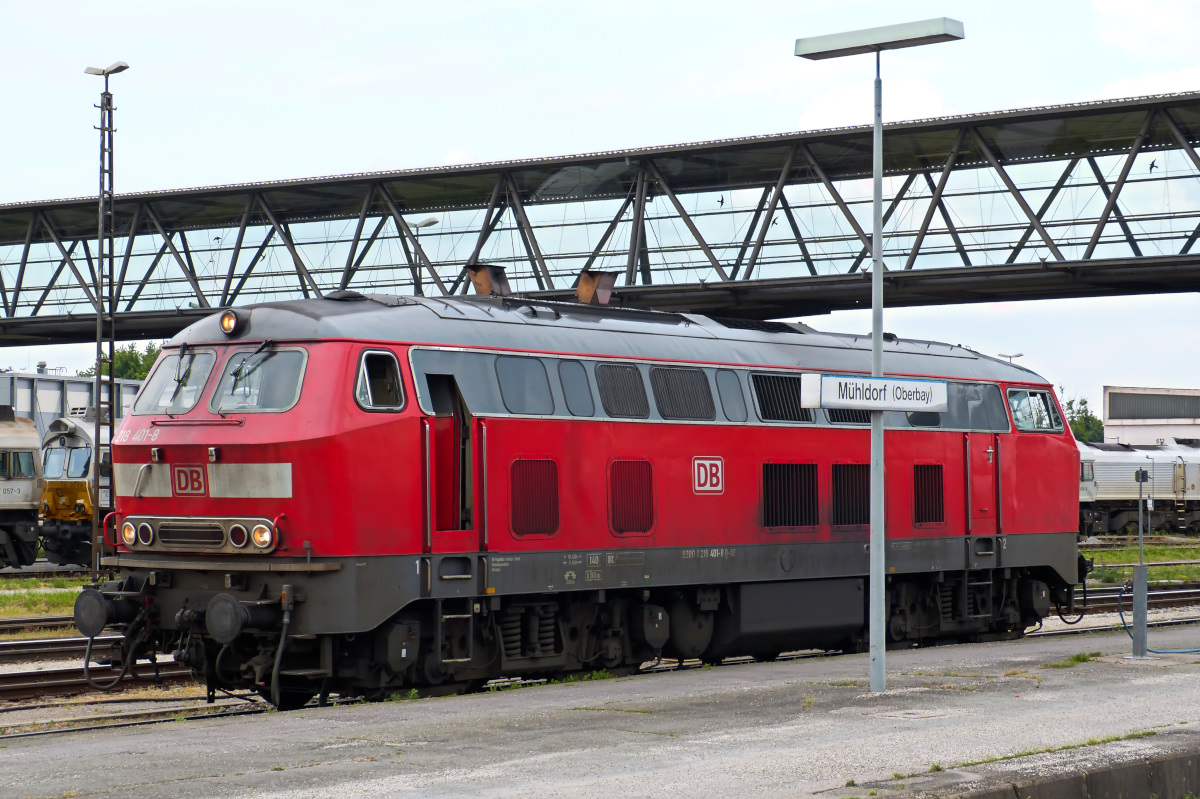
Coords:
1154,165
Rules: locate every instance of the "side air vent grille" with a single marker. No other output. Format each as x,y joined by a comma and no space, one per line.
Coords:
851,495
755,324
631,496
779,398
790,495
533,497
847,416
622,391
682,394
928,502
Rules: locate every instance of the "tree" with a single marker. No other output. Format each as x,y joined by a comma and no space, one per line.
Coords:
1084,423
129,363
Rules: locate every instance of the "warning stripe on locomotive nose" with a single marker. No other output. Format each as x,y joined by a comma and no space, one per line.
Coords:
218,480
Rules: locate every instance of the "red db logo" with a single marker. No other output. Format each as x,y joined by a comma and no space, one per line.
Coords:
188,480
708,475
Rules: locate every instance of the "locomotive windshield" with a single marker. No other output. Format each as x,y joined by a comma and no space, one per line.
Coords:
69,462
175,385
264,379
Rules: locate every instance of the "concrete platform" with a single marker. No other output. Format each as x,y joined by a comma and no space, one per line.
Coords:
960,720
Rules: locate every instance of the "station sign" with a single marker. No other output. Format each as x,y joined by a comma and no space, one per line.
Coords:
872,393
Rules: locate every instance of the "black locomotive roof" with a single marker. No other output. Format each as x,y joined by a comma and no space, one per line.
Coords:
594,331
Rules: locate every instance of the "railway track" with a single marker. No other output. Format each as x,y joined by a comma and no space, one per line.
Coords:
9,626
68,681
53,648
1104,600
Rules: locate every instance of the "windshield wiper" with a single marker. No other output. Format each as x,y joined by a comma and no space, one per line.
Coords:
248,365
181,374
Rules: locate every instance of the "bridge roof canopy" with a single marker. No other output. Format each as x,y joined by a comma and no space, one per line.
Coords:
1019,136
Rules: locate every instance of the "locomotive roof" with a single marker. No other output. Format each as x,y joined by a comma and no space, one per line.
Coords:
594,331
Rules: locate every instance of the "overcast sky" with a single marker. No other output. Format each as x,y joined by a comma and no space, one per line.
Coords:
228,92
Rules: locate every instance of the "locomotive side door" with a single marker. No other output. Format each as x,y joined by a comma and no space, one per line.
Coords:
449,469
982,452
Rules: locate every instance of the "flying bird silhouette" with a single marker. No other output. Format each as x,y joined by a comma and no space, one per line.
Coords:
1153,165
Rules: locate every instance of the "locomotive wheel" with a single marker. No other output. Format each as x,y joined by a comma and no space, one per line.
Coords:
290,698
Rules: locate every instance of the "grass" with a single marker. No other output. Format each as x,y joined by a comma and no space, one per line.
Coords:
37,603
19,583
1074,660
1109,562
1064,748
598,674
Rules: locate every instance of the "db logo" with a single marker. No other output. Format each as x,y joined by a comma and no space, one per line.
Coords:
708,475
188,480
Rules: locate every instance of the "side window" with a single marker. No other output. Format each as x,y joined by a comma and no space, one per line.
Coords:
924,418
524,386
378,387
732,400
975,406
622,391
576,388
1087,471
3,465
682,393
1034,410
22,465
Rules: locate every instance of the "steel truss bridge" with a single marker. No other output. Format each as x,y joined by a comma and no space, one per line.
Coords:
1078,200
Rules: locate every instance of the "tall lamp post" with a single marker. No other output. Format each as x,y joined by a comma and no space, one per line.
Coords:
103,287
428,221
835,45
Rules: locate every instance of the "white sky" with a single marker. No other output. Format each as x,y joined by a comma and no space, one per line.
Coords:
225,92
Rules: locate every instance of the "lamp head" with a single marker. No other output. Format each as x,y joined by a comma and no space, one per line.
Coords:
111,69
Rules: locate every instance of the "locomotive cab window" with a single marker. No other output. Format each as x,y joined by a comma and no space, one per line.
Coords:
378,387
1087,471
1034,411
17,465
257,380
175,385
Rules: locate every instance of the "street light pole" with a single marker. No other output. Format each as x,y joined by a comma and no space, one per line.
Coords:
875,40
103,287
428,221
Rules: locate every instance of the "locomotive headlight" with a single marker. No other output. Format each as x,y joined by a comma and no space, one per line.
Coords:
238,536
145,534
128,534
229,323
263,536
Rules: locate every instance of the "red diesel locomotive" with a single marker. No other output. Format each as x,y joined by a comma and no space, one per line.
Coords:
358,494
